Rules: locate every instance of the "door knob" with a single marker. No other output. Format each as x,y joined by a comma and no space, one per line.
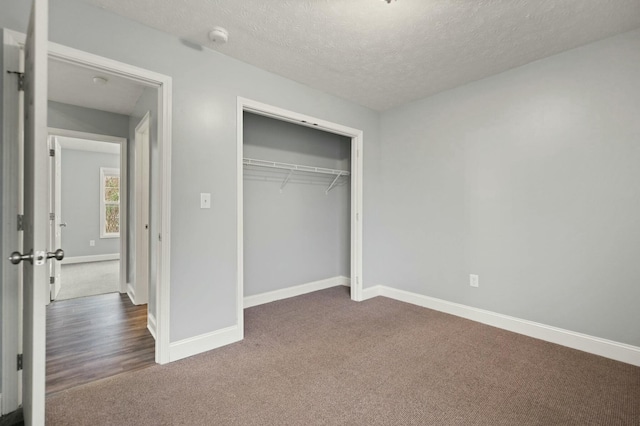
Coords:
16,257
57,255
63,224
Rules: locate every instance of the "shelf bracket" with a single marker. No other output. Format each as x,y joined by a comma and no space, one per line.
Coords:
333,183
284,183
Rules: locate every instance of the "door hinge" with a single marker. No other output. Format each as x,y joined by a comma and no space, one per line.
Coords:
52,153
20,222
52,216
52,280
19,362
20,79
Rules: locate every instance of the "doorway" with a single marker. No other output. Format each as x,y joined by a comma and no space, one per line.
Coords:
88,176
356,138
160,85
91,219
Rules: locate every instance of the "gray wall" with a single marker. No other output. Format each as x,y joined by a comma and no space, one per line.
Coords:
529,179
71,117
80,202
206,85
301,234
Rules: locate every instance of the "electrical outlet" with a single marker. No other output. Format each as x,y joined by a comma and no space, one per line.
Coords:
474,280
92,243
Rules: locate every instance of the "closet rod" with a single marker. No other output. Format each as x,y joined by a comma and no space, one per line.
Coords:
296,167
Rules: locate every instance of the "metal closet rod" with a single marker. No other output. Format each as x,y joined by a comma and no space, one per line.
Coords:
297,168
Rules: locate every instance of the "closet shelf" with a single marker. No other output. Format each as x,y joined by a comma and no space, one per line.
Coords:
296,168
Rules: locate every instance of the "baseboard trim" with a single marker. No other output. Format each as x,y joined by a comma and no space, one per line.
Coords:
285,293
371,292
595,345
95,258
131,292
151,324
203,343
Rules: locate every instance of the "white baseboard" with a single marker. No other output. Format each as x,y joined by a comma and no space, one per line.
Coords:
131,292
203,343
285,293
151,324
607,348
371,292
95,258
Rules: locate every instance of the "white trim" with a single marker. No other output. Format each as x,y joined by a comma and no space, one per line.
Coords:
93,258
88,145
203,343
285,293
356,136
371,292
151,324
131,292
595,345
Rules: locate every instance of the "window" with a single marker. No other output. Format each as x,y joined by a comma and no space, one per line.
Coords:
109,203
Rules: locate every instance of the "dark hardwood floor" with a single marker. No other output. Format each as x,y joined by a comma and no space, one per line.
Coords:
94,337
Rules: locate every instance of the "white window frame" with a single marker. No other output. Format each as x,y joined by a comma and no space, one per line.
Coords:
104,173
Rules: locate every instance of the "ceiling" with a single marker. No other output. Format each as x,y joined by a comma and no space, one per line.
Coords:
73,84
382,55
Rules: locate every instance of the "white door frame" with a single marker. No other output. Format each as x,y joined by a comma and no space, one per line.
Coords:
163,84
248,105
124,185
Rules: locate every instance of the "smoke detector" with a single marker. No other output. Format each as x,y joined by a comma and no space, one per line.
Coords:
219,35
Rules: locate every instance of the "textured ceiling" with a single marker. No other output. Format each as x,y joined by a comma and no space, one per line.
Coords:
73,85
382,55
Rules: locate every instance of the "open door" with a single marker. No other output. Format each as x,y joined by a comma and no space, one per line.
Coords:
56,224
36,216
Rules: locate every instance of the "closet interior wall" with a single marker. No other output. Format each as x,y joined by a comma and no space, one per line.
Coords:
297,233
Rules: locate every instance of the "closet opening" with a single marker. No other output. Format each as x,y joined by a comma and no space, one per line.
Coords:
299,205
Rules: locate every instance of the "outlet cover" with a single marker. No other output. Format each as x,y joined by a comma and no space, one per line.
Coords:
474,280
92,243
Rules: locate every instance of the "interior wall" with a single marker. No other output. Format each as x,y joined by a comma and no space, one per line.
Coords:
528,179
71,117
80,202
297,235
206,85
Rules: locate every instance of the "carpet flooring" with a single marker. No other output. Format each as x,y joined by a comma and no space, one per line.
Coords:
321,359
89,279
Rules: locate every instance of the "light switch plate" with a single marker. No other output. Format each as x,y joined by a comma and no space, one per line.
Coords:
205,200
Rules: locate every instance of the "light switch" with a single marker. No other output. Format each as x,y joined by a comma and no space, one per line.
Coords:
205,200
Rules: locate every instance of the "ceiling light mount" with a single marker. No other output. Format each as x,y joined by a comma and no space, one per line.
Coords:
219,35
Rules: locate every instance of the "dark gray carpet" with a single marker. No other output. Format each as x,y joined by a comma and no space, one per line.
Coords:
321,359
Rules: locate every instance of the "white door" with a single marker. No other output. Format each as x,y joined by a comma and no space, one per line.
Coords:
56,224
36,215
141,284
